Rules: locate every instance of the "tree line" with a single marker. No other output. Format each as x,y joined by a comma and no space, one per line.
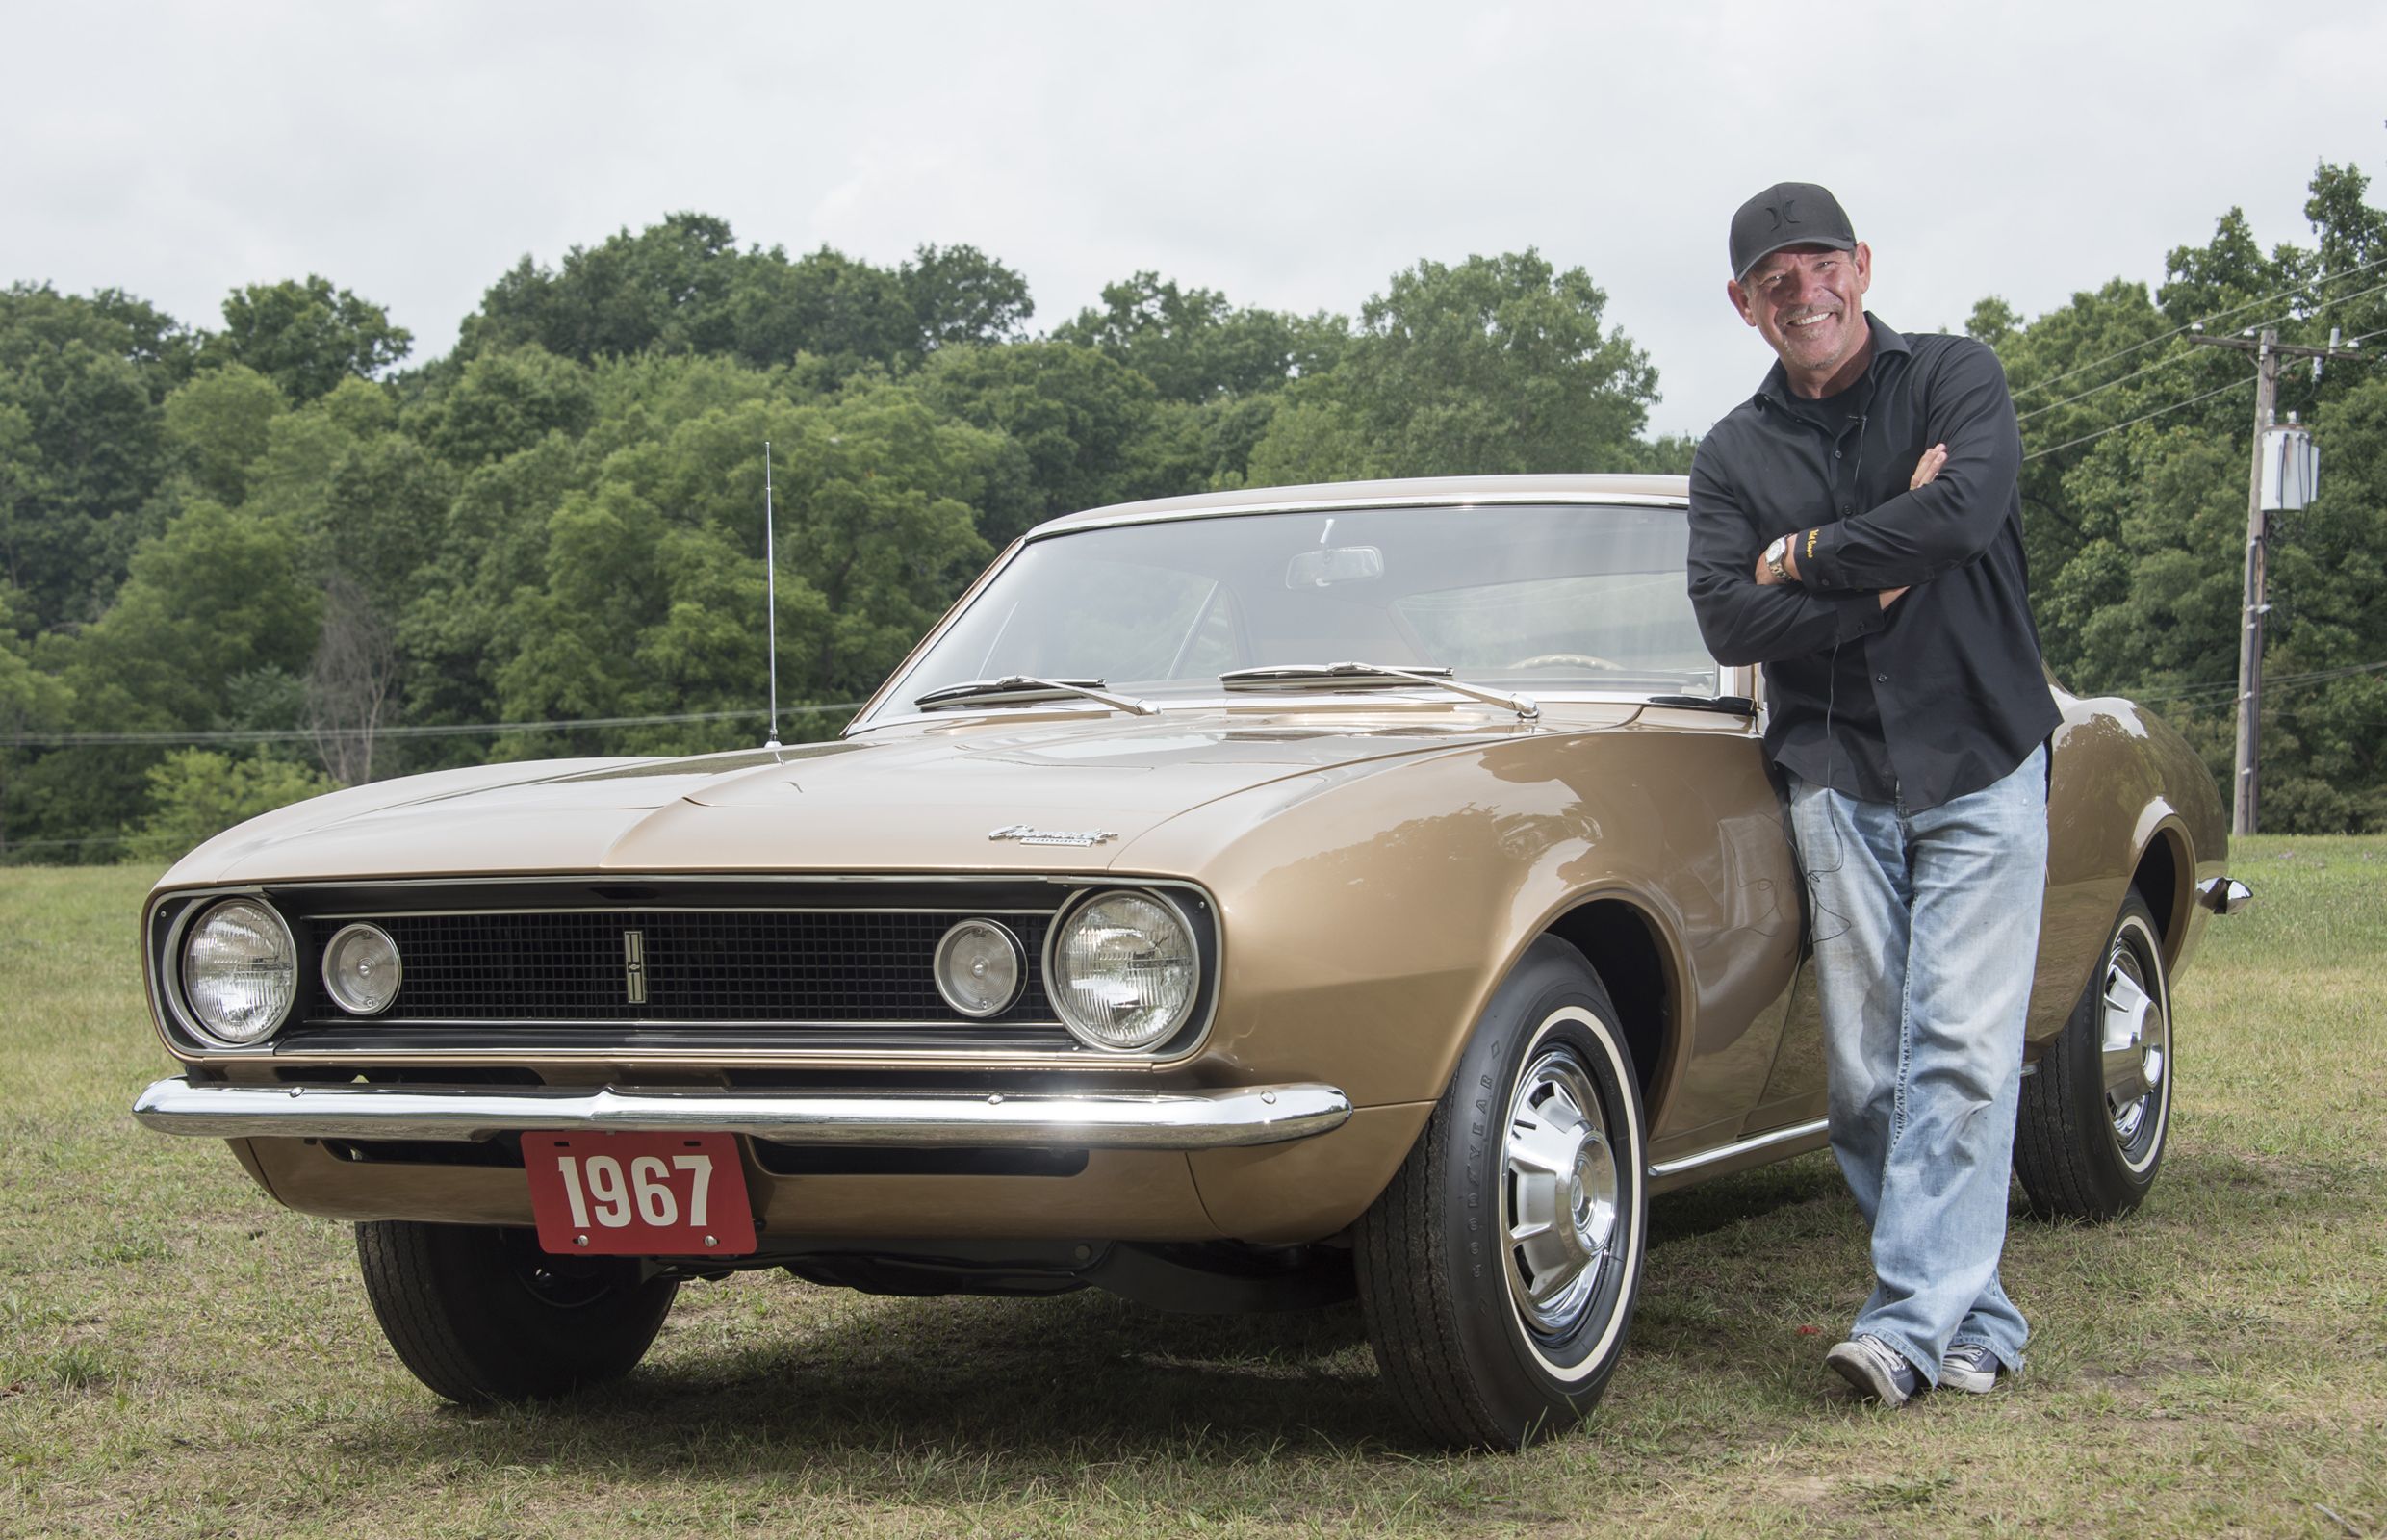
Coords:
243,564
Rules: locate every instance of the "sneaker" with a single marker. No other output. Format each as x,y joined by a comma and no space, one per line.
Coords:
1877,1370
1971,1365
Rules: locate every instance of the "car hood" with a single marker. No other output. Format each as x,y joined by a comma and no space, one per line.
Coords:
1066,792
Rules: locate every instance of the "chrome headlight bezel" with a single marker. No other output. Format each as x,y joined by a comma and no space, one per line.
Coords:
186,1009
1197,995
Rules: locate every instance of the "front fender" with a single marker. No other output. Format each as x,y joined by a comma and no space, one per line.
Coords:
1369,912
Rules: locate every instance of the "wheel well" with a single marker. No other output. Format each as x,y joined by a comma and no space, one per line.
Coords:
2157,881
1624,949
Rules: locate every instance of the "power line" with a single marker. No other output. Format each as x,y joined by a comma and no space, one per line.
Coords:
2335,300
2342,721
2096,390
2207,321
59,740
2237,385
2222,689
2173,358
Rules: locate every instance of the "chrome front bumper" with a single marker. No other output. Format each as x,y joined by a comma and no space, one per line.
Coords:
1189,1120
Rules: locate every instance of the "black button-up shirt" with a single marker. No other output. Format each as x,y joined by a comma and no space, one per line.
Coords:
1944,692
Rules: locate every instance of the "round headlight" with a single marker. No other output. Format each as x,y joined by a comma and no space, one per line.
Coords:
361,969
979,968
1123,970
238,971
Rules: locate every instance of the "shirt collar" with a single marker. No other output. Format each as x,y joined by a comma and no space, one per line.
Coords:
1775,391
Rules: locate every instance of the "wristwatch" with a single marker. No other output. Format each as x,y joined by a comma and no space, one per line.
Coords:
1774,555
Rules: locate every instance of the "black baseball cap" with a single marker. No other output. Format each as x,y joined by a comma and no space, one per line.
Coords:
1787,214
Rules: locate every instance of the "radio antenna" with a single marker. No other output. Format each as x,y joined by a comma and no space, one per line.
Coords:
770,594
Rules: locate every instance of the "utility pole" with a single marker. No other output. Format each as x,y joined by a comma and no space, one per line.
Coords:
2267,350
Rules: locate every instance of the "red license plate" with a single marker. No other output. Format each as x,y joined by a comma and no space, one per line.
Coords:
640,1195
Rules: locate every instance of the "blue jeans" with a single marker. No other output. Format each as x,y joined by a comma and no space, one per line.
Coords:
1926,934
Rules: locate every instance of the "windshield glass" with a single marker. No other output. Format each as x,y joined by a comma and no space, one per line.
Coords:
1523,598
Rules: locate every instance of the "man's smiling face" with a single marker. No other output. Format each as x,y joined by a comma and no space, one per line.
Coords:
1808,303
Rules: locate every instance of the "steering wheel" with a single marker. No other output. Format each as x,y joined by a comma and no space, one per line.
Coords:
1577,660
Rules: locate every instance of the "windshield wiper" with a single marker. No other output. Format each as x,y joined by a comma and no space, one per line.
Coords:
1297,674
1020,688
1729,704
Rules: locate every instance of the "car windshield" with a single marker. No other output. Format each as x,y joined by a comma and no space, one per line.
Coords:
1536,599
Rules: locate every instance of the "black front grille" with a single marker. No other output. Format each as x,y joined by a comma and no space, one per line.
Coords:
739,967
696,968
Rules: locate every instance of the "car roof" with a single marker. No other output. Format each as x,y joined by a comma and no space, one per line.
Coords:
1412,492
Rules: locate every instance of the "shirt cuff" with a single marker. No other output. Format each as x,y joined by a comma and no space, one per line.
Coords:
1819,566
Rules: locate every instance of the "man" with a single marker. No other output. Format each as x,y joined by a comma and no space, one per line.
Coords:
1857,529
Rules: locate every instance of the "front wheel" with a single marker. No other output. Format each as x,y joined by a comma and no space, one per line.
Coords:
2093,1118
484,1314
1497,1271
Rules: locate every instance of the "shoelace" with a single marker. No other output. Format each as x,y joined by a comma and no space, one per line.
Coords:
1890,1358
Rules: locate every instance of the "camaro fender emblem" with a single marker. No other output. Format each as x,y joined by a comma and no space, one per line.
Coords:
1027,836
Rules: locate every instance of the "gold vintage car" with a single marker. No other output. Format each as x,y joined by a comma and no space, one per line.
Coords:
1236,900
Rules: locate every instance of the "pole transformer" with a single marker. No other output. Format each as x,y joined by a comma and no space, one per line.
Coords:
2267,350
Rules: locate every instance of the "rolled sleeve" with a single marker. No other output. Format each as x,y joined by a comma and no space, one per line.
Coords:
1920,533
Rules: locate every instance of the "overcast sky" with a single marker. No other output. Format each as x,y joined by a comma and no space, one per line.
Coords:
1289,155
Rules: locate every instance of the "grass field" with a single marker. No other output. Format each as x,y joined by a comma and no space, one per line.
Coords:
180,1357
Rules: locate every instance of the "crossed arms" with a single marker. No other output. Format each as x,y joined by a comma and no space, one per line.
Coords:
1846,575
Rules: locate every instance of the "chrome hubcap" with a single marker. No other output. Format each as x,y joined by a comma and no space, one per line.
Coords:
2136,1044
1559,1199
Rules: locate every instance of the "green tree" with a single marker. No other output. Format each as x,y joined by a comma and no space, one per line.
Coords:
960,294
1080,421
195,795
505,402
683,286
1195,346
211,610
2064,395
217,422
849,314
219,595
452,638
82,444
1316,436
1203,446
666,287
307,336
650,596
32,700
289,481
28,696
1497,364
2137,442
